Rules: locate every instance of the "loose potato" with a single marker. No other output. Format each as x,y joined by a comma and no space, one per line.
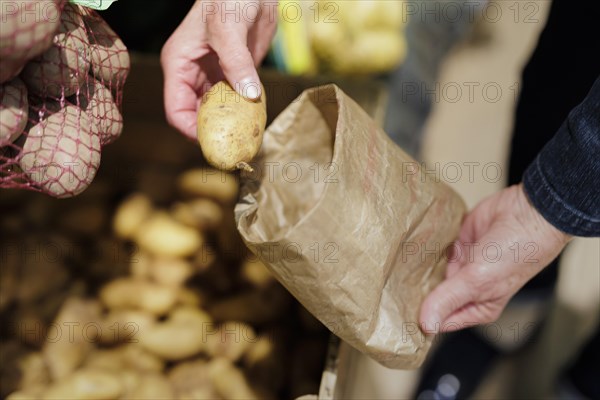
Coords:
110,59
161,235
229,381
190,380
152,386
86,384
231,340
135,356
105,116
189,297
13,110
366,48
125,357
140,265
60,153
122,325
204,214
131,214
34,371
208,182
29,393
27,30
131,293
170,271
256,273
230,127
62,69
108,359
179,337
72,336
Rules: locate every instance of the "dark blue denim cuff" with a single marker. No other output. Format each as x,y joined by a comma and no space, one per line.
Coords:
563,182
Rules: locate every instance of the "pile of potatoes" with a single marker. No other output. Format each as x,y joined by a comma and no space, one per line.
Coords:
63,71
147,298
361,37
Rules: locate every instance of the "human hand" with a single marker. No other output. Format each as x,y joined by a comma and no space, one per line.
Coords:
503,243
211,44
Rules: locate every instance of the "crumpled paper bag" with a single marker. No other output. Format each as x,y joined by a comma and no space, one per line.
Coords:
349,224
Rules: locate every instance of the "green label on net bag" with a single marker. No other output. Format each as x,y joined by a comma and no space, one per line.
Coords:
95,4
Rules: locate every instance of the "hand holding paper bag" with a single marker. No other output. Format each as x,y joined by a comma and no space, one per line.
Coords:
350,224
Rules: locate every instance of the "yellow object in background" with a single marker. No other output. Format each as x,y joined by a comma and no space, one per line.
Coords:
358,37
292,39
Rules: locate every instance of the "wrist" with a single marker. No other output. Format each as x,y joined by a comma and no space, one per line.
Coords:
537,220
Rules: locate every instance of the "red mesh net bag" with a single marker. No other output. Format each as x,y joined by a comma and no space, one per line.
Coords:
61,87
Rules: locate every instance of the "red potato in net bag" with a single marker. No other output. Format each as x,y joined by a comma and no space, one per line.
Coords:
63,68
28,27
60,152
13,110
105,117
110,58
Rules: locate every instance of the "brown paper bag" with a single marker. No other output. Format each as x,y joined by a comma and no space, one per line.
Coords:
349,224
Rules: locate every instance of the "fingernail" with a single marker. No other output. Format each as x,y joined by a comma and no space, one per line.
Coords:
249,89
432,325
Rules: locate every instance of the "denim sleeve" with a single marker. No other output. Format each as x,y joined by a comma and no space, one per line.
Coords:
563,182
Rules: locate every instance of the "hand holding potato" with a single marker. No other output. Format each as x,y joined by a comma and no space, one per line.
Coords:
212,44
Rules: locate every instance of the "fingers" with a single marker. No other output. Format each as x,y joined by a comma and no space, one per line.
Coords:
447,298
180,98
237,62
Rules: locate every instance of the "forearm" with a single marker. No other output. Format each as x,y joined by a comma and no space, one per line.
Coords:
563,182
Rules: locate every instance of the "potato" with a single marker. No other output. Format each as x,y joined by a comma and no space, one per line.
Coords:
34,372
256,273
71,338
105,116
87,384
231,340
138,358
109,359
211,183
189,297
130,381
60,154
190,380
152,386
28,27
63,68
366,48
138,294
125,357
170,271
13,110
161,235
122,325
230,127
203,214
229,381
179,337
140,265
110,59
130,215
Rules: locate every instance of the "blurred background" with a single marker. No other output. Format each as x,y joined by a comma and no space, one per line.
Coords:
473,89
